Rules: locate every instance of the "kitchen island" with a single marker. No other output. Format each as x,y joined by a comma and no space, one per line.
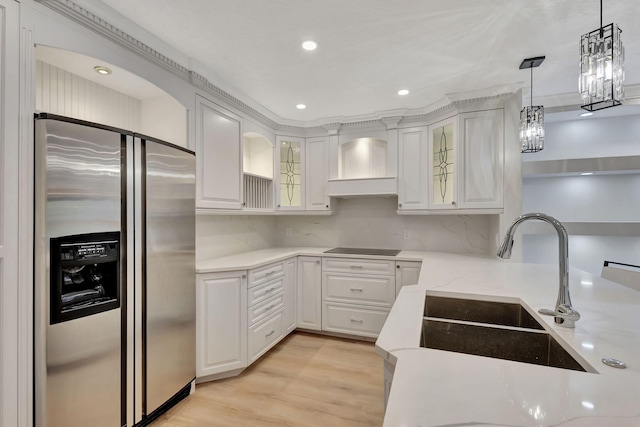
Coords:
440,388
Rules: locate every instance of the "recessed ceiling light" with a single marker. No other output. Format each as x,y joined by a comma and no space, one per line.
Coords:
102,70
301,106
309,45
588,404
403,92
587,114
586,173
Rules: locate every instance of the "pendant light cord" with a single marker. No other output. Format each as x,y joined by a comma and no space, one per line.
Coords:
601,30
531,97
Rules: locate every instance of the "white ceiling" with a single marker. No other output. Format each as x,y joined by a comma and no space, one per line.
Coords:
368,49
120,80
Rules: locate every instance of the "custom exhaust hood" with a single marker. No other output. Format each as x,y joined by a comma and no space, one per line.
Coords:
365,168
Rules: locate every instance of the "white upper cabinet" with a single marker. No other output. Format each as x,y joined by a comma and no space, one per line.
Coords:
413,190
219,160
317,167
257,173
442,164
290,167
481,158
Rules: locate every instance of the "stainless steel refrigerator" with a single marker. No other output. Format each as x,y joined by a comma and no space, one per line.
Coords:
114,327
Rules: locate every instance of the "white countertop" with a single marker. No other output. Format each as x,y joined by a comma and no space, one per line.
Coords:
254,259
438,388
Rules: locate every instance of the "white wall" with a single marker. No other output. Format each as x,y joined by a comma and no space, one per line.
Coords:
589,137
66,94
584,198
585,252
165,118
588,205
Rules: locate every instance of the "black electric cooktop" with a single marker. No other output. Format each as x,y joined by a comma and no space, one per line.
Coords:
363,251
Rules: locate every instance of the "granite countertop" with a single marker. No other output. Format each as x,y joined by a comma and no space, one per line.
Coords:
439,388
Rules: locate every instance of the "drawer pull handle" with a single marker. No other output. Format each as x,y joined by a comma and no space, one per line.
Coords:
356,289
270,333
356,320
357,266
270,307
271,272
266,291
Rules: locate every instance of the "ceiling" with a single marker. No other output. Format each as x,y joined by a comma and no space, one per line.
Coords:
369,49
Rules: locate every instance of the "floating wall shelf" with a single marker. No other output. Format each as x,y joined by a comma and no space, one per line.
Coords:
602,165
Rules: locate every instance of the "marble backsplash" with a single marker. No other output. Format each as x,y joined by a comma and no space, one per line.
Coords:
365,222
221,235
374,223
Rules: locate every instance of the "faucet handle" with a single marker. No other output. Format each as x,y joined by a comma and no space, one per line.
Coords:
564,314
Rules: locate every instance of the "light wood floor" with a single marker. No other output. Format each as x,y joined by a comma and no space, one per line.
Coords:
305,381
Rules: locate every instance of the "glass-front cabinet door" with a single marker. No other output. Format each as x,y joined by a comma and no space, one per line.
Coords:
443,164
291,173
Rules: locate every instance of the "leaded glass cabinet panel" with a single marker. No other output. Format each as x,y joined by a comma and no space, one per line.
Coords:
291,172
443,177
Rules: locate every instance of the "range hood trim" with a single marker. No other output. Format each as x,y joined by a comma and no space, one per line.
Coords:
358,187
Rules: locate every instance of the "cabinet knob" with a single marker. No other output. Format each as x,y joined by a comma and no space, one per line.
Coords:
398,266
453,203
244,276
327,206
318,262
278,205
399,205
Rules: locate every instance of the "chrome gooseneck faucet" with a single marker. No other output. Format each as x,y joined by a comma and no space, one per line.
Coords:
564,314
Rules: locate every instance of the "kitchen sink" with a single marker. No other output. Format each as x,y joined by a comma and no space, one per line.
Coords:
496,313
491,329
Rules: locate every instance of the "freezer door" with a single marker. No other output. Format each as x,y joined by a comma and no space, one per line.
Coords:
77,362
169,285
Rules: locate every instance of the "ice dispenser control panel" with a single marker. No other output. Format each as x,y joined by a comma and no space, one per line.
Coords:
85,275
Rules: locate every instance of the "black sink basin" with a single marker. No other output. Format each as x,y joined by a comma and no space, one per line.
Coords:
491,329
496,313
528,346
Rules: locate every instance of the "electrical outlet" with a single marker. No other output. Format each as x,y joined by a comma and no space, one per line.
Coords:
407,235
288,232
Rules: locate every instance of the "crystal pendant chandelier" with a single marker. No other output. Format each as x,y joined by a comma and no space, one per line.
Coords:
532,117
601,67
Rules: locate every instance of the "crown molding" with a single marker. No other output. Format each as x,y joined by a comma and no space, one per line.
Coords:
389,119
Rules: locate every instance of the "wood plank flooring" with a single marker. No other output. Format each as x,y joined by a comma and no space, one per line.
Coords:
305,381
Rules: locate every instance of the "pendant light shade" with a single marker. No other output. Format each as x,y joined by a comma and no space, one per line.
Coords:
532,129
601,82
532,117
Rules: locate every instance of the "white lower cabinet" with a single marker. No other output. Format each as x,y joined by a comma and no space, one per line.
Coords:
309,293
264,335
240,315
221,326
357,295
407,273
290,294
353,319
266,302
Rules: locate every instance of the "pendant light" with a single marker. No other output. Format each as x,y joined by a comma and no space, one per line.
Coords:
601,67
532,117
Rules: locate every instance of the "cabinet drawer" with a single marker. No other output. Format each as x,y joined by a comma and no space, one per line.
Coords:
359,266
264,335
359,289
266,273
265,308
265,291
353,319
